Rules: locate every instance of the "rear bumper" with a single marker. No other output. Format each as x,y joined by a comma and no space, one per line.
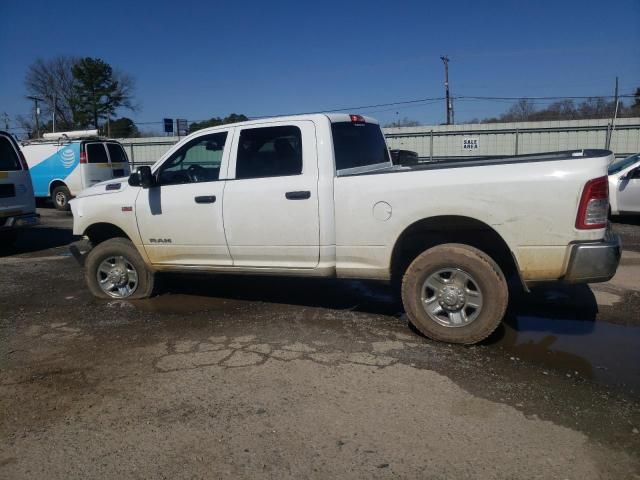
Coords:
594,262
19,221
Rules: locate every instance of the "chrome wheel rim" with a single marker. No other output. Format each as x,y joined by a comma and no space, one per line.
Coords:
117,277
451,297
61,199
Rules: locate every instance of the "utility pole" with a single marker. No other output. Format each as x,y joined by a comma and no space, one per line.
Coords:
37,109
53,113
5,117
613,119
449,104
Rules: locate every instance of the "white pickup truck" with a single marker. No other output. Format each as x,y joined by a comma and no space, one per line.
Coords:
317,195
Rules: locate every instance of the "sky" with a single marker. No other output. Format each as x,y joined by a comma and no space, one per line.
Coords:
196,60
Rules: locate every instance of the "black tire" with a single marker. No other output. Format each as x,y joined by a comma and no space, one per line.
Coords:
118,247
60,197
8,239
486,274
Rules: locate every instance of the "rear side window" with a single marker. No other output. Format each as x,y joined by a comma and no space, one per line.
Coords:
8,156
96,153
358,145
269,152
116,153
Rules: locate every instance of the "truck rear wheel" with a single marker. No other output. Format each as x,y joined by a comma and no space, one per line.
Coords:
115,269
61,196
455,293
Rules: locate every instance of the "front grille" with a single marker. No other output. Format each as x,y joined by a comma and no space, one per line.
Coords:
7,190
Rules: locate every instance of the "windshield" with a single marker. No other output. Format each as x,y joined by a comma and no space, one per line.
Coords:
621,164
359,147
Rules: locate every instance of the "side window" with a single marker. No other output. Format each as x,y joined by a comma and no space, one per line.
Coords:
269,152
197,161
96,153
117,153
8,156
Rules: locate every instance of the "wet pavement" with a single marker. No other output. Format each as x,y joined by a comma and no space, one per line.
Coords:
230,376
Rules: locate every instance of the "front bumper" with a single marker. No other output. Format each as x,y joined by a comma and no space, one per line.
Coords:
19,221
594,262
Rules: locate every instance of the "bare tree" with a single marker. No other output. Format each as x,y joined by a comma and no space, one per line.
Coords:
52,80
521,111
404,122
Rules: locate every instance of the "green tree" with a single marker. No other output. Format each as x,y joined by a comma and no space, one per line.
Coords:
215,121
122,128
99,91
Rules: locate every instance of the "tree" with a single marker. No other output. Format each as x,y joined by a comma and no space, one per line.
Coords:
635,108
52,81
123,128
215,121
521,111
99,91
405,122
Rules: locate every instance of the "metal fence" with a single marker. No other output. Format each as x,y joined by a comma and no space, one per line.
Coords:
438,142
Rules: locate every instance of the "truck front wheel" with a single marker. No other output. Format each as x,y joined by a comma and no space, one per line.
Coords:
455,293
115,269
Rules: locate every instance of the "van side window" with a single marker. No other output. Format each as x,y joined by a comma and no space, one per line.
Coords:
96,153
269,152
117,153
197,161
8,156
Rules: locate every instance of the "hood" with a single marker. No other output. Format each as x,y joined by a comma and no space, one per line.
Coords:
107,187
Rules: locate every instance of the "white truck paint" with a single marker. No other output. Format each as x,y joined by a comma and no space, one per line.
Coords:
624,185
363,219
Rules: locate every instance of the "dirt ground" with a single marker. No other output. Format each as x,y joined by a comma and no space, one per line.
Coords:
247,377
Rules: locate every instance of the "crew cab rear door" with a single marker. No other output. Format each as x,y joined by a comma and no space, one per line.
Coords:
271,200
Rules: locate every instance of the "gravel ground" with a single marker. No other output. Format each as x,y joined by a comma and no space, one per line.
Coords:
245,377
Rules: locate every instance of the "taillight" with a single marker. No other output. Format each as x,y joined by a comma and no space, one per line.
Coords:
23,161
357,118
83,157
594,204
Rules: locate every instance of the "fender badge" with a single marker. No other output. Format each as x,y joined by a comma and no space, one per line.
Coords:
127,209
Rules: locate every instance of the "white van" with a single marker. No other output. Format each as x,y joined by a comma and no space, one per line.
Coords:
63,164
17,203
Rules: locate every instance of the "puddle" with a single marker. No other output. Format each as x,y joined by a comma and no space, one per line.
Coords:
601,351
182,304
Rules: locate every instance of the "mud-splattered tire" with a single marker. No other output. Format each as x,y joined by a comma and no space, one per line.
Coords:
455,293
61,197
115,270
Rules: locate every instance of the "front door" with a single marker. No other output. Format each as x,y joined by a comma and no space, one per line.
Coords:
271,204
180,218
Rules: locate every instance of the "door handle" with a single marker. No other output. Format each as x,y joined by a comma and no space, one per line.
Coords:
205,199
299,195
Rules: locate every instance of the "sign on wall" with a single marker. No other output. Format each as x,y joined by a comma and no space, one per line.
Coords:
469,143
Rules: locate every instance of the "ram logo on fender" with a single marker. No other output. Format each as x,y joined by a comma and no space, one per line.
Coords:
159,240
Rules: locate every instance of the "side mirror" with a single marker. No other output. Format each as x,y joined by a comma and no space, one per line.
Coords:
141,177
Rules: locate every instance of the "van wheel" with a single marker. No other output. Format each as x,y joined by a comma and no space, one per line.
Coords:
455,293
61,197
115,269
